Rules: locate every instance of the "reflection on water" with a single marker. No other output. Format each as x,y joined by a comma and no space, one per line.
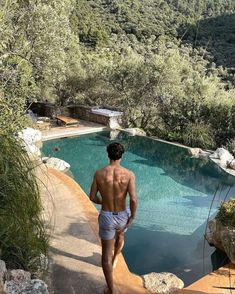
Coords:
174,191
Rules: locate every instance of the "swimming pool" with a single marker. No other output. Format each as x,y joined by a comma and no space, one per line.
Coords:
174,193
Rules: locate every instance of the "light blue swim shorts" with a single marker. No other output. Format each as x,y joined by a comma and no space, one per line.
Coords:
110,222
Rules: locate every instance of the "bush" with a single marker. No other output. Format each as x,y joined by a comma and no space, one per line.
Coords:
198,135
226,214
23,239
231,146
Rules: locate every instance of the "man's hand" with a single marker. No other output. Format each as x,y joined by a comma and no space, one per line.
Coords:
129,222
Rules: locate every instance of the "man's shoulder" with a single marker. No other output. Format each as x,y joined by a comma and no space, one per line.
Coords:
128,172
101,171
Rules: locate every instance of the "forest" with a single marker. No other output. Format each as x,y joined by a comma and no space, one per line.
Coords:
169,65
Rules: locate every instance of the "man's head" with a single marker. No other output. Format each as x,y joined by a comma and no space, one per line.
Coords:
115,151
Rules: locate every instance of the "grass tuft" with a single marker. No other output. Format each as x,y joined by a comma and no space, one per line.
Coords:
23,238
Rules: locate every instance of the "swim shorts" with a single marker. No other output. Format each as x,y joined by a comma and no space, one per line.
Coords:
110,222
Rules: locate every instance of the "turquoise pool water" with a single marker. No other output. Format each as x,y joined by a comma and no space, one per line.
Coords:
174,191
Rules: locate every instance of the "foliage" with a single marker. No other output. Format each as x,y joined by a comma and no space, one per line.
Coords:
231,146
22,234
226,214
161,62
198,135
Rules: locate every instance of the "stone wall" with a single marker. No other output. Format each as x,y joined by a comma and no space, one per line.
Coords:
74,111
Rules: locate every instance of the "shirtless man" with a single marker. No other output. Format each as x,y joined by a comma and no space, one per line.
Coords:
113,182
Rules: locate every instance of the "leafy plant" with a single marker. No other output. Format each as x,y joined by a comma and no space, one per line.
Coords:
198,135
226,214
231,146
23,238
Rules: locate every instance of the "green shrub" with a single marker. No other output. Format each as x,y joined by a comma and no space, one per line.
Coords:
198,135
226,214
231,146
23,239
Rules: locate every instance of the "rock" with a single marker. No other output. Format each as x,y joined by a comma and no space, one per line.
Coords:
57,164
222,238
32,141
30,135
227,238
26,287
135,131
3,271
162,282
194,151
232,164
18,276
213,235
224,156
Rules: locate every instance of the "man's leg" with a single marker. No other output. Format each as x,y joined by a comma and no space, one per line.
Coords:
107,252
119,243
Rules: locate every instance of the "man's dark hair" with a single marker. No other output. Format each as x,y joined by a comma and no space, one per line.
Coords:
115,151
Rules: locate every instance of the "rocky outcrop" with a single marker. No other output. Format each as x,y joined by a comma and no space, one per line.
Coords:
18,276
223,155
56,163
162,283
222,238
19,282
32,141
198,152
26,287
135,132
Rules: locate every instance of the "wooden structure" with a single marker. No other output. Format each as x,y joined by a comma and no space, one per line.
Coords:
67,121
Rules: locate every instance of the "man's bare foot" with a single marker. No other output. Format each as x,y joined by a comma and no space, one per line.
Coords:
115,257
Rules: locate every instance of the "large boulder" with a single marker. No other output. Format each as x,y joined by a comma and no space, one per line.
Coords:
30,135
223,155
26,287
163,283
56,163
198,152
221,237
194,151
32,141
18,276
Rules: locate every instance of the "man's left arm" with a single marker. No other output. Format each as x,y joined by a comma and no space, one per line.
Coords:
93,193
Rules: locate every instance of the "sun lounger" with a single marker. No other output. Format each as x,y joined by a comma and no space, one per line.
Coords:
67,121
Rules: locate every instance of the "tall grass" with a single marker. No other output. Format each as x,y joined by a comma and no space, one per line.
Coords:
23,239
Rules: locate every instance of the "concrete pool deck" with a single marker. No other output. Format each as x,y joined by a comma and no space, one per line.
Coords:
84,127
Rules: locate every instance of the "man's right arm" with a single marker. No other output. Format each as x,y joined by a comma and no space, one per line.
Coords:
133,198
93,193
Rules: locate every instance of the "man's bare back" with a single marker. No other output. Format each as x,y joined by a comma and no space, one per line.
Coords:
113,183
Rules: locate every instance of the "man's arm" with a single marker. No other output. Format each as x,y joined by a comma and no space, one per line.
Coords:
93,193
131,189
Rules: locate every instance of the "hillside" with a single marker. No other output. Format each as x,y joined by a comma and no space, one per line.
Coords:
167,64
